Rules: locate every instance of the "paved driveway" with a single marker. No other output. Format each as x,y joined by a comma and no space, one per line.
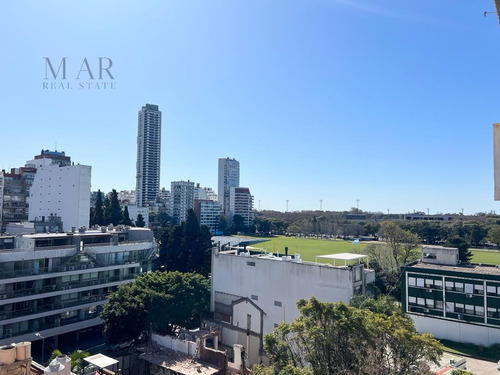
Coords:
476,366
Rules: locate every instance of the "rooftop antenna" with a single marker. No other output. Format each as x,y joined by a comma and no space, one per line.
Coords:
357,204
259,204
286,205
427,212
56,147
321,204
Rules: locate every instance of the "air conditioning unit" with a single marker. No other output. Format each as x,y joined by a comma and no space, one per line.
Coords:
469,295
72,268
460,317
3,296
84,266
8,332
426,310
429,290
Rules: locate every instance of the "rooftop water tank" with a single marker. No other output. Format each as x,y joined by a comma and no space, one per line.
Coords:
23,350
7,354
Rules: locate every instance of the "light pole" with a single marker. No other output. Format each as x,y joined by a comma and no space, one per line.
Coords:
43,343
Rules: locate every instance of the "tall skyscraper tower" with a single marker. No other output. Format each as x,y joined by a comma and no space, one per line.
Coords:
229,176
147,185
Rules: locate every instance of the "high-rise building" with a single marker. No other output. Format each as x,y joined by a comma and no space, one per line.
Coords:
148,155
241,203
229,176
181,200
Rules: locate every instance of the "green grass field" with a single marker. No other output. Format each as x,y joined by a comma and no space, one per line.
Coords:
308,248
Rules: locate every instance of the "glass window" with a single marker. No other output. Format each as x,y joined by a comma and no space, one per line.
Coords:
439,304
277,303
421,301
469,288
459,307
480,310
469,309
478,289
450,307
491,289
411,281
459,287
438,284
491,312
429,303
429,283
420,282
412,300
449,285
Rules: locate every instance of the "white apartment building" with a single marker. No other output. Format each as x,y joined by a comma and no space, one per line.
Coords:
208,212
181,200
57,283
241,203
229,176
62,191
205,193
134,211
148,155
252,294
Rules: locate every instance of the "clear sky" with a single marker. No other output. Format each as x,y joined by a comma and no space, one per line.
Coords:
387,101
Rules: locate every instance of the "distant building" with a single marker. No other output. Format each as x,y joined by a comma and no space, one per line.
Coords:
148,155
241,203
62,191
181,200
134,211
452,301
252,294
58,283
126,197
229,176
204,193
422,217
14,207
208,212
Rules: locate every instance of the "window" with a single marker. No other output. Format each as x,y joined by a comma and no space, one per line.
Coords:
480,310
420,282
254,297
449,285
429,283
429,303
251,264
438,284
492,312
439,304
478,289
450,307
277,303
469,309
459,307
411,281
421,301
469,288
491,290
412,300
459,287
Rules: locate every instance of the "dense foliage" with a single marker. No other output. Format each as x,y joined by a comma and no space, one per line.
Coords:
337,339
185,247
162,301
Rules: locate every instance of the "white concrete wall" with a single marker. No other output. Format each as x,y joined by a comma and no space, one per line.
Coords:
134,211
456,331
240,312
62,191
173,343
275,280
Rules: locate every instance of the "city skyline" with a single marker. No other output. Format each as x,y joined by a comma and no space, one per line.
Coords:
327,100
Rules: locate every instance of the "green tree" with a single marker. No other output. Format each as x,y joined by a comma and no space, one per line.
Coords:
464,255
238,224
222,225
77,360
334,338
99,210
115,214
494,235
126,217
140,221
163,301
401,242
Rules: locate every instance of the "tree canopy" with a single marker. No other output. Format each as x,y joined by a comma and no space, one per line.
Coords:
186,247
162,301
334,338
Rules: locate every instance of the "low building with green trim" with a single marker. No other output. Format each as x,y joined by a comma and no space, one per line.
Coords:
453,301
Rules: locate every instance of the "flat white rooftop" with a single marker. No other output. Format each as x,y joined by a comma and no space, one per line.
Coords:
346,257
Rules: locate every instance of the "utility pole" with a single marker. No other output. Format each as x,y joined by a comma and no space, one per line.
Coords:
321,204
286,205
357,204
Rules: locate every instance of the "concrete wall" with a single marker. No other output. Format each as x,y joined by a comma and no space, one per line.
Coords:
62,191
270,282
456,331
169,342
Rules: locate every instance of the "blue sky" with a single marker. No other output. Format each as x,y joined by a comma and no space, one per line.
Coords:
387,101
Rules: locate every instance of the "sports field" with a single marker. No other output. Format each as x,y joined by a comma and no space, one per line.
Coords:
308,248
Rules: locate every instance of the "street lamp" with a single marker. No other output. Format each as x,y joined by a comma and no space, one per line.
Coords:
43,343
